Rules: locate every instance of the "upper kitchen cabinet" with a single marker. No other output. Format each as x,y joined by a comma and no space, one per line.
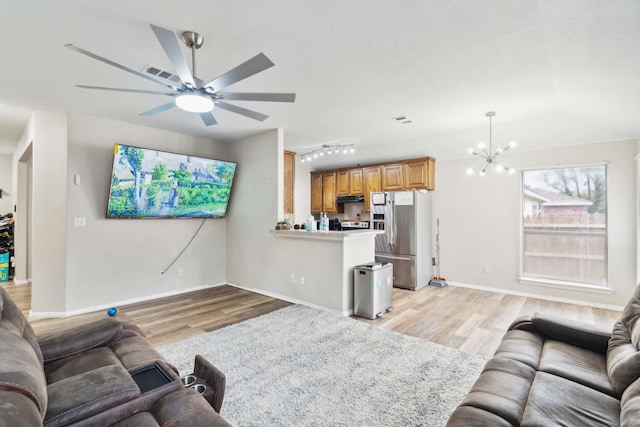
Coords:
355,182
342,186
393,177
316,193
289,175
329,203
420,174
372,178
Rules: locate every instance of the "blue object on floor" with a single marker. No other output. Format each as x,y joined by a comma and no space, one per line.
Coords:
112,311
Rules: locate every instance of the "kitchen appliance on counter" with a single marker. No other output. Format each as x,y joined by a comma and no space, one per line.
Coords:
372,289
405,217
355,225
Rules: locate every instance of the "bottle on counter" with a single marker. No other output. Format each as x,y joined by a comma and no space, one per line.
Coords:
325,222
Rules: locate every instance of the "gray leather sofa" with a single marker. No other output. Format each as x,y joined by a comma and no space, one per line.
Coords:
82,377
550,371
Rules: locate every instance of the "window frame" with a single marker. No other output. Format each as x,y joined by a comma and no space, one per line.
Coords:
559,283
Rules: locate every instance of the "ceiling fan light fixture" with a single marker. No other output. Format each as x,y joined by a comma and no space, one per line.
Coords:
194,103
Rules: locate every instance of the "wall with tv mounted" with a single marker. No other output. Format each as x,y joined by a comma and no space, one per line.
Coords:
115,260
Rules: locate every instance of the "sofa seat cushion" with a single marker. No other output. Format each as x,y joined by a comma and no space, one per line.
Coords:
80,363
577,364
81,396
558,401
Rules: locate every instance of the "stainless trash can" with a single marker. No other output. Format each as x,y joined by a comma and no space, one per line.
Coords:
372,289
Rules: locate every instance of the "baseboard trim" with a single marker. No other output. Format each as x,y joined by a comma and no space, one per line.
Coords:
119,303
21,282
542,297
289,299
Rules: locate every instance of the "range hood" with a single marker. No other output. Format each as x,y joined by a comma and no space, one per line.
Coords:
350,199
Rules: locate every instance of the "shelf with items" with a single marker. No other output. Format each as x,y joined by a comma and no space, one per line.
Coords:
6,247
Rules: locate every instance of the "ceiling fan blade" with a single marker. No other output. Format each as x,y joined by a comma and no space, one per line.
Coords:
160,109
242,111
258,63
122,67
150,92
171,46
252,96
208,119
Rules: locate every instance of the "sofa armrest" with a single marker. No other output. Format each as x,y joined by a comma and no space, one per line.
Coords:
580,334
81,338
522,323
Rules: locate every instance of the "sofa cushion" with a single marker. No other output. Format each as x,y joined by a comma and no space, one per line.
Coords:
522,346
80,363
560,401
135,351
78,397
58,345
21,371
581,365
16,409
12,319
502,389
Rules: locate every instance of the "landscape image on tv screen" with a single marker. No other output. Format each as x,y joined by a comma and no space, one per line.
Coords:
156,184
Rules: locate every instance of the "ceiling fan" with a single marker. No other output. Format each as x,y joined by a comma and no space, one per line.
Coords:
190,93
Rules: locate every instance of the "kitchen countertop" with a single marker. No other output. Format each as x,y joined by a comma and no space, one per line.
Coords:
327,235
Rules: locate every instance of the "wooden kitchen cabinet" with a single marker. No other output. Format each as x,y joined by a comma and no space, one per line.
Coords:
342,185
420,174
393,177
329,203
289,175
316,193
355,182
372,178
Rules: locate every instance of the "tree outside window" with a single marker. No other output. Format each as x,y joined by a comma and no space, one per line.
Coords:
564,224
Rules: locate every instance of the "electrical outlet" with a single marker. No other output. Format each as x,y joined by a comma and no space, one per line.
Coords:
181,272
162,274
79,222
293,278
302,280
485,269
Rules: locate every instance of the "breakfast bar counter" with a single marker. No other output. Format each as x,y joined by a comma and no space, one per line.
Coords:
321,264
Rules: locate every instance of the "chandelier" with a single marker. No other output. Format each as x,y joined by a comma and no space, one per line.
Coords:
489,156
328,150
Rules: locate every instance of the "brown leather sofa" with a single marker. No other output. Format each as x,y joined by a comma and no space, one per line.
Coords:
82,377
552,371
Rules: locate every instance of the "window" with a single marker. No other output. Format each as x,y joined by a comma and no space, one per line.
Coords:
564,225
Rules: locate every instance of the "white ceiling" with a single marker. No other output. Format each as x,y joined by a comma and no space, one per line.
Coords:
556,72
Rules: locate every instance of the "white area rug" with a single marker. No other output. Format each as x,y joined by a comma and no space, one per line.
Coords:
303,367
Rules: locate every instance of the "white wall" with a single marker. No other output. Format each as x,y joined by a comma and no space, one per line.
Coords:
302,191
116,260
6,184
259,260
480,220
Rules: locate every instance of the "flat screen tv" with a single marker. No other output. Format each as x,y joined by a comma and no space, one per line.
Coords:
157,184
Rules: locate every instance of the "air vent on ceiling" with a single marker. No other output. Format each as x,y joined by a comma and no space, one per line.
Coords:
402,119
162,74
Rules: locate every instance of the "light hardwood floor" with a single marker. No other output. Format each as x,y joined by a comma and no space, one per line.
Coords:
467,319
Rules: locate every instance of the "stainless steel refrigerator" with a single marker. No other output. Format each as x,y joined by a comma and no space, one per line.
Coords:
405,217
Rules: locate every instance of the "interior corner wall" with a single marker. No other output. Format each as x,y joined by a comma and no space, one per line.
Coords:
480,220
253,211
6,184
113,261
49,212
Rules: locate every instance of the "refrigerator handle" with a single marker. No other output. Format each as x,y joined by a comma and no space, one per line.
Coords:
391,226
